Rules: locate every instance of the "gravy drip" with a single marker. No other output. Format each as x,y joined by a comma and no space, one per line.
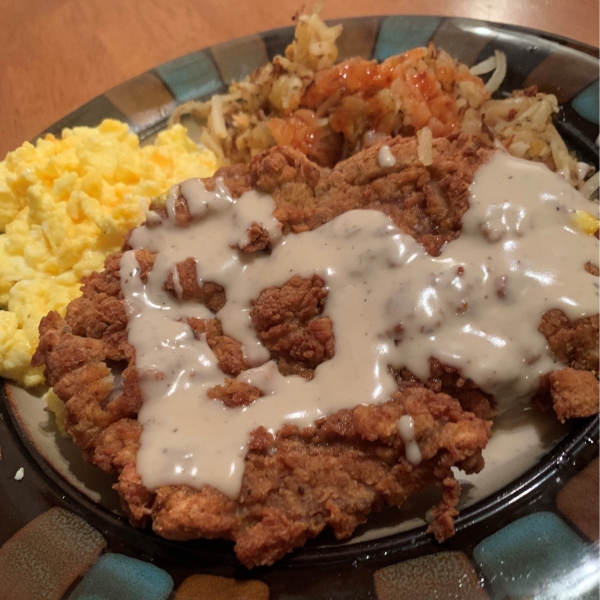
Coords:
476,307
406,427
385,158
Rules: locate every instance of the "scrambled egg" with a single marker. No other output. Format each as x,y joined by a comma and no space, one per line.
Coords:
585,222
65,204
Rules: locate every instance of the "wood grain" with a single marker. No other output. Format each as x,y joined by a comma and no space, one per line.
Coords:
58,54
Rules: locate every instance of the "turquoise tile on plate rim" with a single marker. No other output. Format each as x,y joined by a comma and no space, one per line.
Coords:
540,557
586,103
398,34
116,576
191,76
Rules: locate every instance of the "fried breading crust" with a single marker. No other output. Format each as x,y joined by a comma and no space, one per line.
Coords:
426,202
288,323
294,484
331,475
574,393
350,463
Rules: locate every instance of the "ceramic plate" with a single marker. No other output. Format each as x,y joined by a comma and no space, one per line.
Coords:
540,479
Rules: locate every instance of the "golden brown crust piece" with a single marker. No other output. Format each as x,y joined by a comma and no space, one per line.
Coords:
350,463
574,393
574,343
288,322
448,380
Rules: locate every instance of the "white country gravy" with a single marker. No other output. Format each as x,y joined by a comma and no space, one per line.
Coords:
385,158
477,307
406,427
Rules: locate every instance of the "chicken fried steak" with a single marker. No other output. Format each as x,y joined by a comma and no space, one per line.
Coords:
297,476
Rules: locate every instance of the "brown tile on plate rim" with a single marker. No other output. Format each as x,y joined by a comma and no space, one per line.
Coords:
574,75
145,100
214,587
46,556
236,59
443,576
578,501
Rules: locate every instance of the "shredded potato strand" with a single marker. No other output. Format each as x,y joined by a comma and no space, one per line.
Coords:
485,66
499,73
591,185
425,146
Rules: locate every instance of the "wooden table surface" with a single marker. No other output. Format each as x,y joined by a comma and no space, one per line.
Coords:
58,54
